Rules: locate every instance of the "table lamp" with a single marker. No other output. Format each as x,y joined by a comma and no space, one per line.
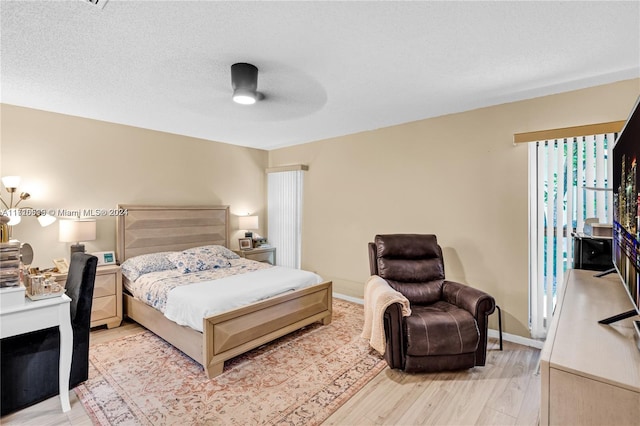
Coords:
75,231
248,223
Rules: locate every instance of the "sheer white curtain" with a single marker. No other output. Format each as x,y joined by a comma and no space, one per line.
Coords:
568,182
285,215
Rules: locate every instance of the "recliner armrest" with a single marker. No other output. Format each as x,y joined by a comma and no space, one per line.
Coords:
394,335
475,301
479,304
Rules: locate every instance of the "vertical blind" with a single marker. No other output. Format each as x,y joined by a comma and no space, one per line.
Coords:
569,181
285,215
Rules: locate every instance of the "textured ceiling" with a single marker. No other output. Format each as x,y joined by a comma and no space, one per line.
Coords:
327,68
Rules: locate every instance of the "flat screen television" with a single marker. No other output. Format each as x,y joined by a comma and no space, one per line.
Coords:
626,212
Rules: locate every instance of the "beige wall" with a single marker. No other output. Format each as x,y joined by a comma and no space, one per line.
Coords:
458,176
74,163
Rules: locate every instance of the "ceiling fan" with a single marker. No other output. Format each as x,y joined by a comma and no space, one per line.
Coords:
244,80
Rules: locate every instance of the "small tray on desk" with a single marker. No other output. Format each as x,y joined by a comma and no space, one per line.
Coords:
46,295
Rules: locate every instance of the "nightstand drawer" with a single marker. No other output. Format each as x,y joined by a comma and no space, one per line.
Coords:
267,254
260,257
103,307
107,296
105,285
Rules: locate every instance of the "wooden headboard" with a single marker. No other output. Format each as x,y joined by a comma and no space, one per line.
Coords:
149,229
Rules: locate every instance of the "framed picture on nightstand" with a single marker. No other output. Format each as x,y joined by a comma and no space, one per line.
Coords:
245,243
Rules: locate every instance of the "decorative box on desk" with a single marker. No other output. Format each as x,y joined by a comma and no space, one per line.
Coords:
107,296
260,254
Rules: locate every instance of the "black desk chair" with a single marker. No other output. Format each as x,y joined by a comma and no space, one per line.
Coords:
29,362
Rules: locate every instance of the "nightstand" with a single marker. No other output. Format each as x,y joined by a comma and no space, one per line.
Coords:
106,307
267,255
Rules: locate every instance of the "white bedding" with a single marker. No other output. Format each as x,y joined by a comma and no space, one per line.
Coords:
189,304
188,298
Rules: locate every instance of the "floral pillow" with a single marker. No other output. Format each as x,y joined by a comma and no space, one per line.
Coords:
191,262
133,267
213,250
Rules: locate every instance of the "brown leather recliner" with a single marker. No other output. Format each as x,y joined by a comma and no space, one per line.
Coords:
447,328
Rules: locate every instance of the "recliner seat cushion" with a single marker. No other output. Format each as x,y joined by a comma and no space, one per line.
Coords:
440,329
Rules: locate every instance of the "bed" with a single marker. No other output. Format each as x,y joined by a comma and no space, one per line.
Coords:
150,229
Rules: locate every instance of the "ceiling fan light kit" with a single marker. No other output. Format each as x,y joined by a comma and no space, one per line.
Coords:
244,81
244,97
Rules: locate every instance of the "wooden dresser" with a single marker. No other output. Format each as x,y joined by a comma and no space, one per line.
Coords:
107,296
590,373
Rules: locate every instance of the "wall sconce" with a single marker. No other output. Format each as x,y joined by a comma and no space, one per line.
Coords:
248,223
11,184
75,231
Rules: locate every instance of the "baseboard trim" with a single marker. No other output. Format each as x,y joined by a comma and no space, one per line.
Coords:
513,338
348,298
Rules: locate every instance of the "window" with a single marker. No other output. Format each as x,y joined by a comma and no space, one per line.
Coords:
569,182
284,209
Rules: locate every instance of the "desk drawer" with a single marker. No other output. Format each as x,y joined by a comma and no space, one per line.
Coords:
105,285
103,307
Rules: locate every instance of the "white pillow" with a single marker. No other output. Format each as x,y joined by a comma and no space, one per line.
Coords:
133,267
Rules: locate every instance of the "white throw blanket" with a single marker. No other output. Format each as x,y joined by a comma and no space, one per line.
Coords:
378,295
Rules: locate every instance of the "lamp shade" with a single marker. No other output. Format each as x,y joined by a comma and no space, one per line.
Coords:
73,231
46,220
248,222
14,217
11,181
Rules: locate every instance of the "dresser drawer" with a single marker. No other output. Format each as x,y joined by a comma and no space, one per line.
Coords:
103,307
105,285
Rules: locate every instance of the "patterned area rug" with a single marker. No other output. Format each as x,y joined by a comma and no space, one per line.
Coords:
301,378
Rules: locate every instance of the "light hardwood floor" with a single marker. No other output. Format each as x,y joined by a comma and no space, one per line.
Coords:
504,392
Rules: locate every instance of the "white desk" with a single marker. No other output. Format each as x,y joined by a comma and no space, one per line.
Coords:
36,315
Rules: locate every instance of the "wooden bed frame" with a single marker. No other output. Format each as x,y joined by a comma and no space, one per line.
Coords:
149,229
